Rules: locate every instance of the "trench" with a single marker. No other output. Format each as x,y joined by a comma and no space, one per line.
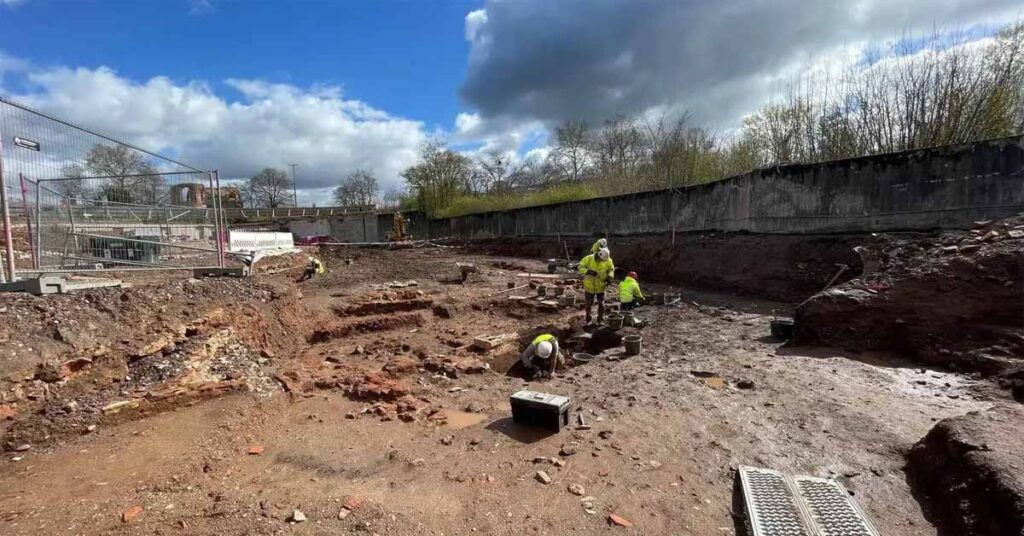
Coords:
571,339
381,307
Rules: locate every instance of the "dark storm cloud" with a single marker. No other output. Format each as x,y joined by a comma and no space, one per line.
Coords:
589,59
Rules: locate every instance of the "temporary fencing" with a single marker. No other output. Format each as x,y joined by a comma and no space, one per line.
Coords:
78,200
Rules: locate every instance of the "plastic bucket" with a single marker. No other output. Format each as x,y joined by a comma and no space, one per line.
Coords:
628,319
615,321
632,343
581,357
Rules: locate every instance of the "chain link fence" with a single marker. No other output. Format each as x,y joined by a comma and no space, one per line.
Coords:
80,201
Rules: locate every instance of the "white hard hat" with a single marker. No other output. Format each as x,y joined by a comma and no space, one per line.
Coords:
602,241
603,253
544,349
311,259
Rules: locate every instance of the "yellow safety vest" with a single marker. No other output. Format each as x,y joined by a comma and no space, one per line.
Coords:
605,270
629,289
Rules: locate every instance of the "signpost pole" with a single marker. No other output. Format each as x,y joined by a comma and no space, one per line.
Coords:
8,241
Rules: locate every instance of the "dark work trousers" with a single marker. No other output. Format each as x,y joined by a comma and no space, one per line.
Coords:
589,298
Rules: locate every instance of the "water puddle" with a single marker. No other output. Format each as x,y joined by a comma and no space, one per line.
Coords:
715,382
709,378
457,420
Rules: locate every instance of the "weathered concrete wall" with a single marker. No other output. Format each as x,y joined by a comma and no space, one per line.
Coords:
940,188
348,228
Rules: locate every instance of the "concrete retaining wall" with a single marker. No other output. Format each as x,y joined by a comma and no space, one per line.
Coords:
346,228
938,188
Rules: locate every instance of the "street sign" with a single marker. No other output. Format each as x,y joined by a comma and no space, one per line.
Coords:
28,144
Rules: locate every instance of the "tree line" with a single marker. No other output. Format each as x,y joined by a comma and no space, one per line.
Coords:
917,96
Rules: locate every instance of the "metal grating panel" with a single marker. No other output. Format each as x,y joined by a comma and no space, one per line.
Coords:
771,509
831,508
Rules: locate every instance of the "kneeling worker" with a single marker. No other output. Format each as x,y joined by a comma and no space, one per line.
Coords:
542,355
629,293
598,270
315,267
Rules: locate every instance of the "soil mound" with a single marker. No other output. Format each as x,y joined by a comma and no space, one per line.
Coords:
954,300
967,473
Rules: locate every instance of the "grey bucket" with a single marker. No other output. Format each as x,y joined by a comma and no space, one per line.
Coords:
615,321
628,319
632,343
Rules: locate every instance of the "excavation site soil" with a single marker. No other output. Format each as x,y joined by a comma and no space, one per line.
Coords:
359,403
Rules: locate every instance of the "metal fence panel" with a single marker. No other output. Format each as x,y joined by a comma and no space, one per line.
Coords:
80,200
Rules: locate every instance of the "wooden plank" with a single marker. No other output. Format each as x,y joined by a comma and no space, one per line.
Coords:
538,276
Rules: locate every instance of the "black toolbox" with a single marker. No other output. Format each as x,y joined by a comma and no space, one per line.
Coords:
540,409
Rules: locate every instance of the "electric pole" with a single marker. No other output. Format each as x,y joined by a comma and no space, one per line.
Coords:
295,191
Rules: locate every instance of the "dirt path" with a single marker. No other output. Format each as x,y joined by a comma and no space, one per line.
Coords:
667,429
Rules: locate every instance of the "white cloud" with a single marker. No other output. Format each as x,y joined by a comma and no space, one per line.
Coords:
474,21
11,3
538,154
269,124
501,134
466,124
200,7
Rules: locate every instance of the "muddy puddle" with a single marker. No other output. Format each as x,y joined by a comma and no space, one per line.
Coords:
457,420
709,378
715,382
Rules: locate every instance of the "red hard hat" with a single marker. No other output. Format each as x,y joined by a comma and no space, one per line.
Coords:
632,274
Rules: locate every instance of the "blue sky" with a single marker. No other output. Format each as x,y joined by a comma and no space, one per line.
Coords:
404,56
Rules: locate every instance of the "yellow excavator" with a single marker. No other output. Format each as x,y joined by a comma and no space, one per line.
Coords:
398,229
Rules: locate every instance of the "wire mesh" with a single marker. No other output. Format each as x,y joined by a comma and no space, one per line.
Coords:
80,200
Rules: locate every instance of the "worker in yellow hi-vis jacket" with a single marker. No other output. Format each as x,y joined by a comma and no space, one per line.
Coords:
315,267
629,292
598,270
542,355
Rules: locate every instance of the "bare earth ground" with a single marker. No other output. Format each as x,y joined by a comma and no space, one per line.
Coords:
663,443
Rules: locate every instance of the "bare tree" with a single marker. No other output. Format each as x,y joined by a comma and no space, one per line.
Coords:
392,198
619,151
269,188
358,188
678,153
129,176
498,173
571,152
71,184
